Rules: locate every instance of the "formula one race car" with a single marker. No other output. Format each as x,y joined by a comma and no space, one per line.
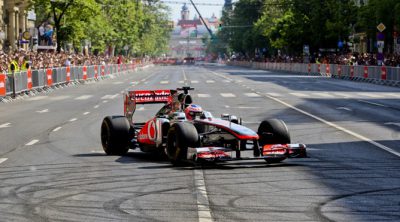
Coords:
186,133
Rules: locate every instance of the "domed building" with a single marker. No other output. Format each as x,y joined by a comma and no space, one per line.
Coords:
186,37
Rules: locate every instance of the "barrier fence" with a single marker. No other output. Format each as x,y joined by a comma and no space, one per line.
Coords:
34,79
378,73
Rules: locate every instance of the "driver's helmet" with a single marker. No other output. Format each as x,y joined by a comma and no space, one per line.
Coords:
193,111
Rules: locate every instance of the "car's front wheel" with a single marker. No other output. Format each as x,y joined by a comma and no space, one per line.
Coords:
181,136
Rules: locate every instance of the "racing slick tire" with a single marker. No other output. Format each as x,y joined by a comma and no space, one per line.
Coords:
181,136
115,135
273,131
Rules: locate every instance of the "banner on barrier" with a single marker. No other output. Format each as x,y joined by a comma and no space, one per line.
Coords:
351,71
29,76
339,70
68,71
84,73
3,85
95,72
102,70
365,72
383,73
49,73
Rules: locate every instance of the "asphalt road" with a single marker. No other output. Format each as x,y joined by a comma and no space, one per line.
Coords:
52,167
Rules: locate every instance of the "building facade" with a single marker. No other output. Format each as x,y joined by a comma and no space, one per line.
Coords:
13,22
187,36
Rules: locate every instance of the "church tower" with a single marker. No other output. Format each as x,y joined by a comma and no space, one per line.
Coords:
185,12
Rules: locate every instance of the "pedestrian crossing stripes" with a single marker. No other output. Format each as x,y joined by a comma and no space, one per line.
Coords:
228,95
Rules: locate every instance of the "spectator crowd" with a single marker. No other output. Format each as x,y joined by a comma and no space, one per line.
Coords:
343,59
42,60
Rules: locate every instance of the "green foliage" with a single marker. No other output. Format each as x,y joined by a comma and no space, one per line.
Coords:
140,28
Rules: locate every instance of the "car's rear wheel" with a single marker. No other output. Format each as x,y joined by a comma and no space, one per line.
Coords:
273,131
115,135
181,136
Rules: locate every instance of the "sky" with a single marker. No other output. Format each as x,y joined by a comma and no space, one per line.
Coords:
206,11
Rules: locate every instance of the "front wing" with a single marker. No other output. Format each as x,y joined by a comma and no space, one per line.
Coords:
271,151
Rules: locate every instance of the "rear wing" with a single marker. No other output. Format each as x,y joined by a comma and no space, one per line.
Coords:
132,98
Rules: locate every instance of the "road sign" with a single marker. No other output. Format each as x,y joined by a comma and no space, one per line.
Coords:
381,27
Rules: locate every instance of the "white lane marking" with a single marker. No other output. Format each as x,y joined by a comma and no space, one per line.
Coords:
96,106
86,113
73,119
396,95
299,94
118,83
247,107
3,159
226,80
345,108
43,111
381,146
372,103
97,151
274,94
33,142
194,81
140,108
226,106
105,101
58,98
37,98
344,95
180,82
146,83
203,95
143,80
84,97
392,123
164,82
210,81
5,125
252,95
230,95
57,129
109,96
372,95
184,75
203,204
326,95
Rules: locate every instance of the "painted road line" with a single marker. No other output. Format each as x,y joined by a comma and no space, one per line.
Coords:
118,83
210,81
344,95
181,82
43,111
57,129
299,94
372,95
274,94
345,108
5,125
252,95
140,108
396,95
105,101
247,107
3,159
33,142
372,103
96,106
227,95
203,95
164,82
194,81
84,97
73,119
356,135
86,113
392,123
326,95
203,204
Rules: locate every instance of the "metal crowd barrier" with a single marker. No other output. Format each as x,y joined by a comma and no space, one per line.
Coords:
34,79
375,73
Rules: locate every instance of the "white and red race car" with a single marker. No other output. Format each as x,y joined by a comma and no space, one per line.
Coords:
202,139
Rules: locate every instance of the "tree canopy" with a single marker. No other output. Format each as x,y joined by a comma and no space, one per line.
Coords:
288,25
132,27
